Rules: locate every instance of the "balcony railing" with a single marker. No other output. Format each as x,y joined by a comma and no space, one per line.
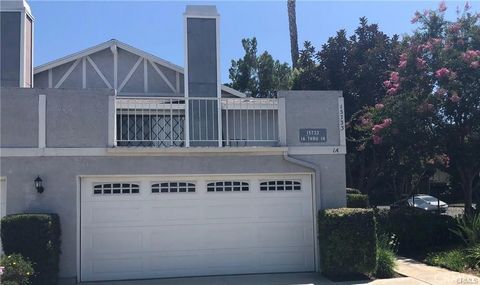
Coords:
184,122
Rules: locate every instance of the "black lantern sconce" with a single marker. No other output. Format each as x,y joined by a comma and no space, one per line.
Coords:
38,184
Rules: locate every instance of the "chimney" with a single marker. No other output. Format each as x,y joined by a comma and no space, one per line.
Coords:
202,76
16,40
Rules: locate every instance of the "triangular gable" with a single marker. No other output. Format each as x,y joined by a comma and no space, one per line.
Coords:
137,72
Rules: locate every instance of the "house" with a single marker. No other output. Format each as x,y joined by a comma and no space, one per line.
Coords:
160,171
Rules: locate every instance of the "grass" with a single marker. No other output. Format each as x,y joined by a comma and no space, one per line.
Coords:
453,259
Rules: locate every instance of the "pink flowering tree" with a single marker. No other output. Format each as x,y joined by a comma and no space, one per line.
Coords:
431,114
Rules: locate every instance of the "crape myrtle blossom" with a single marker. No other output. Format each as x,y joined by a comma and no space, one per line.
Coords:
421,63
454,98
442,7
376,130
377,139
379,106
455,27
443,73
416,17
393,84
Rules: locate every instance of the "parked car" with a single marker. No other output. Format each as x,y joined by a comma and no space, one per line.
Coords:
422,201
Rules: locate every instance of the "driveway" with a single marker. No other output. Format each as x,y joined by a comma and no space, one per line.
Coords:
253,279
259,279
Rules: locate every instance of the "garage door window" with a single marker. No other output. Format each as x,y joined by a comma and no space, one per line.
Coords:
173,187
116,188
227,186
280,185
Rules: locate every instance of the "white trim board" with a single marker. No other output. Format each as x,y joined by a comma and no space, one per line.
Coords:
171,151
337,149
139,151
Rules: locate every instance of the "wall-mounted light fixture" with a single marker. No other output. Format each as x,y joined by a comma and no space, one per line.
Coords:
38,184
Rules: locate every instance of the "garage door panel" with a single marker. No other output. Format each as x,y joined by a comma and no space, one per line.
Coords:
153,235
114,214
185,211
113,265
285,258
117,240
228,211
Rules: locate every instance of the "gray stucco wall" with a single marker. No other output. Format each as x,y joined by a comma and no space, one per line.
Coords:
77,119
311,109
18,117
10,49
74,118
60,182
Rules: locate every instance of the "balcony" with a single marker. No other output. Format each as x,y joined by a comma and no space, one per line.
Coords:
190,122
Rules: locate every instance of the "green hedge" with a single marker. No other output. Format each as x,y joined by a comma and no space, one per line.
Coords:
357,201
348,241
416,230
353,191
36,237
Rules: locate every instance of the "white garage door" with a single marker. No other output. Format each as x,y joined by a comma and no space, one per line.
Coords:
151,227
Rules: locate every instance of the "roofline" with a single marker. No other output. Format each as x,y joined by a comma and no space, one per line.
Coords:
102,46
108,44
233,91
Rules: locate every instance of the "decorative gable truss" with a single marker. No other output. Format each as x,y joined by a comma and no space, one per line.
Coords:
115,65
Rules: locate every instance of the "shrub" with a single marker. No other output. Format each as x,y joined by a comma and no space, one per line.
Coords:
348,242
416,229
36,237
473,255
385,267
455,259
468,229
353,191
357,201
17,270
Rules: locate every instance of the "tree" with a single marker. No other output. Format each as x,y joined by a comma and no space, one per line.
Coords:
433,102
292,24
357,65
258,76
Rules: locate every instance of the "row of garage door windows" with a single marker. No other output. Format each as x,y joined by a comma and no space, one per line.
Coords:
189,187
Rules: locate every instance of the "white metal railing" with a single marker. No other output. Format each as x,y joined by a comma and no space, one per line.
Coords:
184,122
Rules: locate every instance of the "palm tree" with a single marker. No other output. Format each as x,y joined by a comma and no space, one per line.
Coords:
292,23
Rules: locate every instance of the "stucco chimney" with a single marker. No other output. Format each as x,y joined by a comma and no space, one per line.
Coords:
202,74
16,40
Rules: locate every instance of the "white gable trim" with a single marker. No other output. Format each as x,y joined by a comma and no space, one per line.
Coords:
113,45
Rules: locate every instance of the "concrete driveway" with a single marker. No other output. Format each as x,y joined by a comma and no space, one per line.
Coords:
259,279
253,279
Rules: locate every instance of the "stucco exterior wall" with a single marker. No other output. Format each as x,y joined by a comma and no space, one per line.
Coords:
60,182
311,109
78,119
18,117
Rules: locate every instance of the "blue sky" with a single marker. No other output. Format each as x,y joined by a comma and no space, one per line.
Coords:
65,27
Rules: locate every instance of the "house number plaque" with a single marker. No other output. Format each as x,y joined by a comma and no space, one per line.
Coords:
313,135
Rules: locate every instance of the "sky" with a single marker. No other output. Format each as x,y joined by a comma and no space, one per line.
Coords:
66,27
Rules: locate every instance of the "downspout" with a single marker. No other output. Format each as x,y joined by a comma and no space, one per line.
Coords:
312,166
316,170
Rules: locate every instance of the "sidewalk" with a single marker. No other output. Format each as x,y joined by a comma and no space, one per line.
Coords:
425,274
